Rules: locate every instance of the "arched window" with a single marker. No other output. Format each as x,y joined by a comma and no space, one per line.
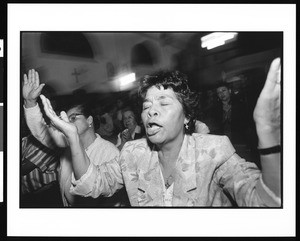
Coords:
66,43
143,54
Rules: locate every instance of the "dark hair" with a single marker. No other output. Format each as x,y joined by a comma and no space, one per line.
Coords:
131,110
223,84
87,110
179,83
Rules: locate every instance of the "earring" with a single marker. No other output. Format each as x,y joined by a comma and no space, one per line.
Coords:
186,126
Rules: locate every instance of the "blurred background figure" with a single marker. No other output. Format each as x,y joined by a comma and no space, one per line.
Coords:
118,114
107,130
235,121
208,110
132,130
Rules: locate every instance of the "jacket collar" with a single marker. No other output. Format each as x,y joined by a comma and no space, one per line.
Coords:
151,182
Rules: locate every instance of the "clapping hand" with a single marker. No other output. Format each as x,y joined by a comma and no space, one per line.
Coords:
125,135
58,137
31,88
267,110
61,122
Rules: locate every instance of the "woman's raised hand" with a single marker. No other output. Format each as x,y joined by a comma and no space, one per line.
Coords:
61,122
31,88
267,110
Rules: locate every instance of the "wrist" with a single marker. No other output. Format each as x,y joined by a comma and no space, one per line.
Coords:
29,103
270,150
73,138
268,137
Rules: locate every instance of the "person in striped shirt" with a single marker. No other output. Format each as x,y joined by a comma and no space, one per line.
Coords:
39,174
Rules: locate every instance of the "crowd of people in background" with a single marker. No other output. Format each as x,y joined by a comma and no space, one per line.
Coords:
46,171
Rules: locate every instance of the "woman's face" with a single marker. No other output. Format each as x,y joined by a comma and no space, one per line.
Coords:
76,116
108,123
129,120
163,116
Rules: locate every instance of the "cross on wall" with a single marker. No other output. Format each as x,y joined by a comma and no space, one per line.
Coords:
76,74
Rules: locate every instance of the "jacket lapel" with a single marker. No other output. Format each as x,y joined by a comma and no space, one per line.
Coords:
150,187
185,186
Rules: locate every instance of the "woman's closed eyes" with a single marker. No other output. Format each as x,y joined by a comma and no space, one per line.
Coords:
161,103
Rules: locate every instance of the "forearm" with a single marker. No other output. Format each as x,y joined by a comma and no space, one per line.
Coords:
270,165
37,125
267,116
80,160
121,145
101,180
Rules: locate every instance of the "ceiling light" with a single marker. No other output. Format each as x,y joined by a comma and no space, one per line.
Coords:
216,39
127,79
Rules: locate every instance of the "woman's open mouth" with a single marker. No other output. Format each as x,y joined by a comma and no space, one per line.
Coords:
152,128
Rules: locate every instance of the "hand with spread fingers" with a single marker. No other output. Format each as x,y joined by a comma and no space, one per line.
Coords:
267,111
61,122
31,88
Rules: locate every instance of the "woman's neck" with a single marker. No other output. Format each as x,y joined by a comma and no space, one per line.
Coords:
226,102
168,153
88,138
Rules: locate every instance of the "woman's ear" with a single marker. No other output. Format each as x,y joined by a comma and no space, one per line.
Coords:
90,120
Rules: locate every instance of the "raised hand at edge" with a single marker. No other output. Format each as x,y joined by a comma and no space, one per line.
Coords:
31,88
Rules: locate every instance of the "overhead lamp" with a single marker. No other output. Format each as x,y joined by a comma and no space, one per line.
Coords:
127,79
217,39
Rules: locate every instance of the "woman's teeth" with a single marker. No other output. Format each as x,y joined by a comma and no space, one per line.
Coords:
153,129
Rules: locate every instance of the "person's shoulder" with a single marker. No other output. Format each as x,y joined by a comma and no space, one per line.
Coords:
201,127
209,142
203,137
138,142
136,145
135,151
105,144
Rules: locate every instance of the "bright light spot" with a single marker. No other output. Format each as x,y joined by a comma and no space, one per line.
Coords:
215,43
127,79
216,39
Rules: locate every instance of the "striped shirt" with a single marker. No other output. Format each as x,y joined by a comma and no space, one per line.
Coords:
39,165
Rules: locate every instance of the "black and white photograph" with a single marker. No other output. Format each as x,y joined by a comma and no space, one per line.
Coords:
160,117
148,121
